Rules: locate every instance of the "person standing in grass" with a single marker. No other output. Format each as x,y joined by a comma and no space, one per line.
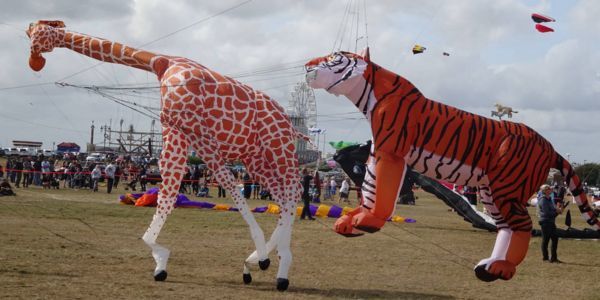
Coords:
96,173
332,187
327,189
27,169
18,170
306,178
548,211
344,191
110,176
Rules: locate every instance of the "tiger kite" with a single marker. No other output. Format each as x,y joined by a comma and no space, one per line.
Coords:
507,161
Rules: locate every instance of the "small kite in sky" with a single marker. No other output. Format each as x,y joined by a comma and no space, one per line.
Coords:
417,49
539,18
543,28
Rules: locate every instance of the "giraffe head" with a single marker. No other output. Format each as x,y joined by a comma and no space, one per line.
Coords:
44,37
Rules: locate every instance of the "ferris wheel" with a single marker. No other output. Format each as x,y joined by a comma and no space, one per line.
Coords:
303,105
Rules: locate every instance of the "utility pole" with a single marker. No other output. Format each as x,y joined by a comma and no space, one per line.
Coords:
92,134
324,144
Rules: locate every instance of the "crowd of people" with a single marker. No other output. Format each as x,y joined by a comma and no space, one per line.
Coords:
52,173
40,171
25,172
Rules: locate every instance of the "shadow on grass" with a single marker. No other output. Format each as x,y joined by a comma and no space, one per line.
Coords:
339,293
578,264
38,273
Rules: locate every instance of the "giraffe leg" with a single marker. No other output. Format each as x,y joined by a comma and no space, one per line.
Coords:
283,245
172,169
227,181
270,245
262,171
286,179
512,240
253,258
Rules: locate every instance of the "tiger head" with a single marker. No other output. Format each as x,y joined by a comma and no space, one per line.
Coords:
338,72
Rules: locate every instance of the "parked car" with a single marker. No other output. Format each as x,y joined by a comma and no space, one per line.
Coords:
25,152
48,153
11,151
95,157
44,152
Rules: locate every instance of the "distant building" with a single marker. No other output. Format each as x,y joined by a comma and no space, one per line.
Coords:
65,147
27,144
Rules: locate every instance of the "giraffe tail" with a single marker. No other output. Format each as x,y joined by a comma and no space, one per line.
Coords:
575,186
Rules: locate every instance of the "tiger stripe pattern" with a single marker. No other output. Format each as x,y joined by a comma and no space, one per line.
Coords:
507,161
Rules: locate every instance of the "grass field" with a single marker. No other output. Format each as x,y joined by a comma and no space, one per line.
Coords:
70,244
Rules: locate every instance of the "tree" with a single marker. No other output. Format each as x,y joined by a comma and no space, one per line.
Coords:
589,172
194,160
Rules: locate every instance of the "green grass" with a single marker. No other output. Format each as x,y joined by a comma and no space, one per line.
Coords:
77,244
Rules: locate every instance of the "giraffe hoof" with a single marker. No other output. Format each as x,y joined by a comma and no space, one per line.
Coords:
247,278
160,276
264,264
483,275
282,284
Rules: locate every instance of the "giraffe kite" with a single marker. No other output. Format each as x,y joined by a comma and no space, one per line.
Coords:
217,116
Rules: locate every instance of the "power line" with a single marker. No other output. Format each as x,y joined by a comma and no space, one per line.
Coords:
165,36
39,124
148,86
25,86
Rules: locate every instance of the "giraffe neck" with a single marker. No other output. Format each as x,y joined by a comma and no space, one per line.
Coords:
113,52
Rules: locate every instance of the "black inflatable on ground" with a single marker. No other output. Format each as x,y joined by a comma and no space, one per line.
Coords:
353,160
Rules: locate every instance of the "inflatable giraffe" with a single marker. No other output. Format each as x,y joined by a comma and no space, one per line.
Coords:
222,119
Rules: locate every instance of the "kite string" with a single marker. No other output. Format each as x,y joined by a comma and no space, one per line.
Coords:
468,266
366,29
341,30
37,224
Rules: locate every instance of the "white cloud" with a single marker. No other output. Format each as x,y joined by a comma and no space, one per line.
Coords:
496,55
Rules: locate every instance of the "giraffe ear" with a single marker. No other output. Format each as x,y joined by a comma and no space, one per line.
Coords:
54,23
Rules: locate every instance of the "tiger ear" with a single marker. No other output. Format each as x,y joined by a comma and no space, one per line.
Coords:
366,54
53,23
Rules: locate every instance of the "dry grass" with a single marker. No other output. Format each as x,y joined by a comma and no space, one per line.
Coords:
76,244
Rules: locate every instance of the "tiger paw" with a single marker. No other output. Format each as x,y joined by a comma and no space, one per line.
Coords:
367,222
343,226
499,269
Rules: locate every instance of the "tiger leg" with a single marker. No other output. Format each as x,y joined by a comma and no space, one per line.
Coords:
343,225
390,170
512,241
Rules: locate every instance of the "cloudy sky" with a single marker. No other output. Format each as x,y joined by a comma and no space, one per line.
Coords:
496,55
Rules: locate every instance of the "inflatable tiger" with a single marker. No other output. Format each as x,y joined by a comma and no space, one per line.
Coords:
507,161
